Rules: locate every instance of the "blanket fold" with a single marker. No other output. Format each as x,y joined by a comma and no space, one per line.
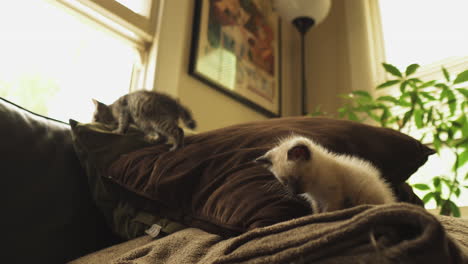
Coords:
394,233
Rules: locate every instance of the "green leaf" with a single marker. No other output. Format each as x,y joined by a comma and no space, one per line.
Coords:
463,142
463,91
392,120
429,115
423,137
453,107
387,98
447,182
450,133
392,69
427,84
462,158
342,109
454,209
419,101
452,101
407,117
413,84
428,197
411,69
444,94
446,74
374,117
403,86
345,96
427,96
415,80
404,103
421,186
461,78
465,130
457,192
418,117
413,96
437,143
437,198
442,86
352,116
361,93
388,84
436,181
385,115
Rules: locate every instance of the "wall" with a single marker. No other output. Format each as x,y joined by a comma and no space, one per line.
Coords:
344,53
327,60
212,109
341,56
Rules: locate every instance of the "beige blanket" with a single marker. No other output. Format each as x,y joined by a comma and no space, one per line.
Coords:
396,233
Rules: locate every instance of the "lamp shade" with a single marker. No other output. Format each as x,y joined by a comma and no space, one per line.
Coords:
292,9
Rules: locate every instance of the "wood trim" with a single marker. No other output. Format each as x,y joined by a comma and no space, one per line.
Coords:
123,16
117,18
463,211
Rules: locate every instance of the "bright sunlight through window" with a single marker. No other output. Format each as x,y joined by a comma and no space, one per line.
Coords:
424,31
53,62
141,7
431,33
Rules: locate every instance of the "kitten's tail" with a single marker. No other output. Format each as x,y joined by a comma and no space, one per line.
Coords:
186,117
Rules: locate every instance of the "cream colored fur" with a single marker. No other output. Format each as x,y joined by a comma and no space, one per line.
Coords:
330,178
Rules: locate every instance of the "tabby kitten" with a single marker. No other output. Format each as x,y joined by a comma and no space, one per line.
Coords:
333,180
154,113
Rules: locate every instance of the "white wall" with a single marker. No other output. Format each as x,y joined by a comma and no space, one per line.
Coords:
344,53
339,59
212,109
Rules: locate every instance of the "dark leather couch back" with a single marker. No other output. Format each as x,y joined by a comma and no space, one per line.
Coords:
48,213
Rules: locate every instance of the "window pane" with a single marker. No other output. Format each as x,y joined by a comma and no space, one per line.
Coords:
428,32
53,62
141,7
440,165
424,31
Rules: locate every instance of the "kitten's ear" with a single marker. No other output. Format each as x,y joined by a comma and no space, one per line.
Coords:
263,160
299,152
98,104
95,102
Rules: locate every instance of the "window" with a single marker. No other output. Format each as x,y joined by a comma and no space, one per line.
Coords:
141,7
57,55
433,34
428,32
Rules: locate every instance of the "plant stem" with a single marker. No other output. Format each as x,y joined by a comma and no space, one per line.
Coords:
443,210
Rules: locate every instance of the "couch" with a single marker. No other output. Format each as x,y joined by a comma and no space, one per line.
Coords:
78,193
49,215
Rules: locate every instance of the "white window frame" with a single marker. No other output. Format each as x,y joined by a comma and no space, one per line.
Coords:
431,71
121,21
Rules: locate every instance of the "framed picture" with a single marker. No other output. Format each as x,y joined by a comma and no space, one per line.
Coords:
235,49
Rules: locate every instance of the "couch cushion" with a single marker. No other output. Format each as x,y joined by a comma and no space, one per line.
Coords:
47,210
127,214
214,184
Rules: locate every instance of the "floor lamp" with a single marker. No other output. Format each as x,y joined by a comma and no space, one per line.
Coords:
303,14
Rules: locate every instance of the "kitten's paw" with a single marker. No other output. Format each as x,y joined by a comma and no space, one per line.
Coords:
173,148
160,140
152,139
176,147
118,131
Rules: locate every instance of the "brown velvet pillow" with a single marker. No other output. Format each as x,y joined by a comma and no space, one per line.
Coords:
213,184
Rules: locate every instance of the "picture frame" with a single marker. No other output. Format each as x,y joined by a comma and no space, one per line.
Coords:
236,50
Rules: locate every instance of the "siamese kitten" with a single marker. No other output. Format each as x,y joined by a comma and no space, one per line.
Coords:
334,181
154,113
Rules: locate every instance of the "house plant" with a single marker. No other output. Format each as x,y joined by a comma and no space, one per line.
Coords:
434,110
